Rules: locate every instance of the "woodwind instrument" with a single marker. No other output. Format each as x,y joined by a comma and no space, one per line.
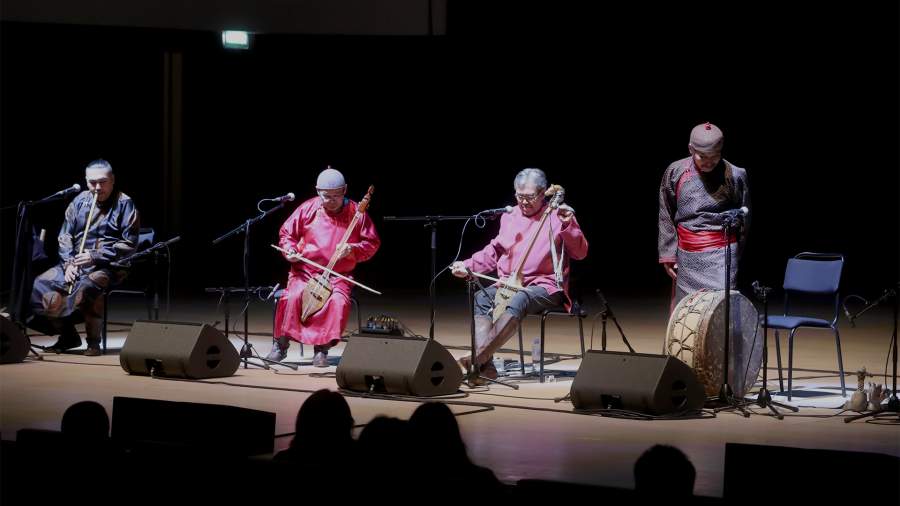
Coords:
87,228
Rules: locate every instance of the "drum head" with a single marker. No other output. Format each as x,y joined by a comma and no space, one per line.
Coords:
696,336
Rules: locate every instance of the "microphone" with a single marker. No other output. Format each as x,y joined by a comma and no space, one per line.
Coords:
499,210
171,241
275,289
284,198
62,193
849,318
733,215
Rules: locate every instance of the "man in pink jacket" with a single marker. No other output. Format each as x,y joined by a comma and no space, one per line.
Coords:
545,273
314,230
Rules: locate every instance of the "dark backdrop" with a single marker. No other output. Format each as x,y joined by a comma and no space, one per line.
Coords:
601,98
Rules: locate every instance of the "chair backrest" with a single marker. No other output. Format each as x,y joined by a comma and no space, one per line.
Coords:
146,238
814,273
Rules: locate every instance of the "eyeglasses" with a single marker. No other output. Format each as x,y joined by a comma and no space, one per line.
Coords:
330,194
528,198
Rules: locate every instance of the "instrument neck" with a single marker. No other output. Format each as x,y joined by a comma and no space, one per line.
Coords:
531,242
346,237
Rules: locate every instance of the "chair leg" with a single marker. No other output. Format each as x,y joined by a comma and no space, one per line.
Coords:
105,296
791,362
358,314
581,333
543,327
778,357
837,341
521,351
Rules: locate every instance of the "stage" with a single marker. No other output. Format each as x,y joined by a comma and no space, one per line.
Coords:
519,434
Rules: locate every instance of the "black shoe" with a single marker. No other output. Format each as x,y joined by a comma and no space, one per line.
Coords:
93,350
63,344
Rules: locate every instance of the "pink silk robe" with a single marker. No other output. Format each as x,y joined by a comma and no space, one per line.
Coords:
505,251
315,234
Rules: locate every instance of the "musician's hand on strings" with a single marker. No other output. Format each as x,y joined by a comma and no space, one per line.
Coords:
459,270
344,250
71,272
82,259
565,213
671,269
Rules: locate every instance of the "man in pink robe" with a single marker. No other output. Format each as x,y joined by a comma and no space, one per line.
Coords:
546,284
314,230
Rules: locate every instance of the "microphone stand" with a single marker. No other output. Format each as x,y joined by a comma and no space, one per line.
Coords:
247,350
21,279
431,222
472,374
605,313
726,394
764,398
126,262
893,405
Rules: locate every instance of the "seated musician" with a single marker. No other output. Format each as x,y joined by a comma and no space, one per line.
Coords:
73,288
314,230
544,272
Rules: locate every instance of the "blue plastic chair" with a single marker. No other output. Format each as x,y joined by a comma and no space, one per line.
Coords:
816,274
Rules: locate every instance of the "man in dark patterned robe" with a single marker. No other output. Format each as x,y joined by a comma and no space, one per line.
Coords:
694,197
111,235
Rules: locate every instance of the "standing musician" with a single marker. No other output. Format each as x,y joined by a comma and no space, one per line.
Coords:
315,231
532,250
694,193
101,226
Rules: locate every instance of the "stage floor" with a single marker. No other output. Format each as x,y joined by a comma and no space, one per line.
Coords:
519,434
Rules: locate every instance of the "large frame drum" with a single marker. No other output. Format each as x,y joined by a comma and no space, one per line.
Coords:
696,336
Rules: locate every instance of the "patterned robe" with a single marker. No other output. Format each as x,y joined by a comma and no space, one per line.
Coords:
315,234
691,204
113,234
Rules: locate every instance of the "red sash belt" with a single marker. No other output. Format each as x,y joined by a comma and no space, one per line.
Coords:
704,240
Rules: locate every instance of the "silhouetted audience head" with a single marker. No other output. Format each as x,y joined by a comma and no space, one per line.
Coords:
664,471
434,429
86,420
383,435
323,419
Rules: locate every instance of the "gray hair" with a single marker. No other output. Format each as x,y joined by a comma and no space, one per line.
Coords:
99,164
535,176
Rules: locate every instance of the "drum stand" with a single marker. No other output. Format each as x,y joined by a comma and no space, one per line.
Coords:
726,395
764,398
